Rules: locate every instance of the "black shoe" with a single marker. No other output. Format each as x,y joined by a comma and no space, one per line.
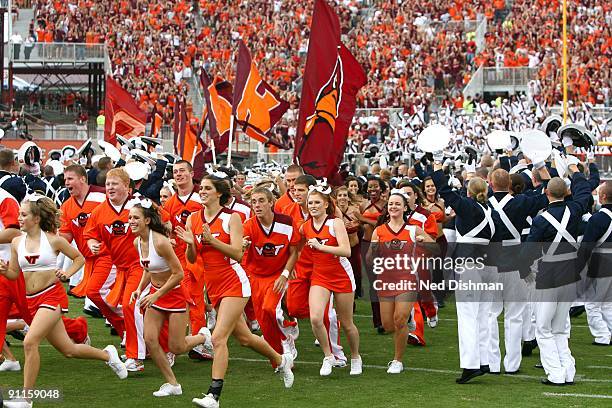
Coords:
600,344
93,312
569,383
441,304
17,334
381,330
468,374
576,311
113,332
512,372
528,347
546,382
485,369
539,365
494,372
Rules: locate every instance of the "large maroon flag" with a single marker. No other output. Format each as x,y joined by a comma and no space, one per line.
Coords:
257,107
123,117
332,78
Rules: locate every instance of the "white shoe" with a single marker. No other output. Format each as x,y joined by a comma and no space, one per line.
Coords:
254,326
114,362
208,346
18,404
317,344
207,402
432,321
87,340
395,367
171,357
285,369
293,331
411,323
8,365
211,319
167,390
326,367
339,363
289,347
134,365
356,366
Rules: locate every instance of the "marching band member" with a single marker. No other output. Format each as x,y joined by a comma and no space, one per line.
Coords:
553,234
596,251
166,300
331,273
394,237
35,253
475,228
215,233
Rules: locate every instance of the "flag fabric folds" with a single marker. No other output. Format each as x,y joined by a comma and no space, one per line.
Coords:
218,98
156,123
123,117
331,80
256,106
187,143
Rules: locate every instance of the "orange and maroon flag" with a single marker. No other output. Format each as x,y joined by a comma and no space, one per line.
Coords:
156,122
218,97
332,78
257,107
123,116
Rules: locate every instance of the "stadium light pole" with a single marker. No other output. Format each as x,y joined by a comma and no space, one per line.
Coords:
564,63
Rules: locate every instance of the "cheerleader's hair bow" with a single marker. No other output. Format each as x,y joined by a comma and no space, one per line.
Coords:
34,197
145,203
219,174
169,186
399,191
321,187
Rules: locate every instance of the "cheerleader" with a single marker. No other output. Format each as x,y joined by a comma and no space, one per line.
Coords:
345,203
35,253
166,299
331,274
354,186
395,237
215,233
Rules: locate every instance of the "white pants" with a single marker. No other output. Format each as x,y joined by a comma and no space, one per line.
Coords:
529,314
473,309
512,302
552,332
599,309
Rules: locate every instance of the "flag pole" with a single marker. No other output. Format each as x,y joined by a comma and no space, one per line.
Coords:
231,139
214,152
564,63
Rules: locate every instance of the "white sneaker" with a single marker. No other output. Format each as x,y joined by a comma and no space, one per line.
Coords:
87,340
115,362
339,363
19,403
316,343
285,369
293,331
254,326
289,347
207,402
134,365
211,319
432,321
395,367
208,346
356,366
167,390
326,367
171,357
8,365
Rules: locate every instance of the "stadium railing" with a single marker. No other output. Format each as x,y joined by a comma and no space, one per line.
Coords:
74,53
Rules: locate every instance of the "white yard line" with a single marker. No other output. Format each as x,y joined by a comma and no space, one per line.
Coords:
422,369
557,394
603,367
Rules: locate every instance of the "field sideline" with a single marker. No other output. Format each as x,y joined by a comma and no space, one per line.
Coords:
427,381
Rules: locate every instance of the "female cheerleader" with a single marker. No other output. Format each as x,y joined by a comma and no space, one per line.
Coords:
397,289
215,233
331,273
35,253
370,211
166,299
354,186
344,202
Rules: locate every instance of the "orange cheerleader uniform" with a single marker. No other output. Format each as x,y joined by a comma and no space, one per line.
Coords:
395,281
223,276
329,271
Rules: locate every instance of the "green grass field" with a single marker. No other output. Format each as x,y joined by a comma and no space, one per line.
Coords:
428,381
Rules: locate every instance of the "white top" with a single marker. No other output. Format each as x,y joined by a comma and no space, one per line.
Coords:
43,260
154,263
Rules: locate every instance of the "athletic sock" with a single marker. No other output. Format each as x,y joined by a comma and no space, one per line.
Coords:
215,388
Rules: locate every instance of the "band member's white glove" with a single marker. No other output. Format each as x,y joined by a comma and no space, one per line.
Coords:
470,167
438,156
590,154
567,141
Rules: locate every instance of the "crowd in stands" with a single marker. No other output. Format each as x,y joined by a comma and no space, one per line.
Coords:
410,50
